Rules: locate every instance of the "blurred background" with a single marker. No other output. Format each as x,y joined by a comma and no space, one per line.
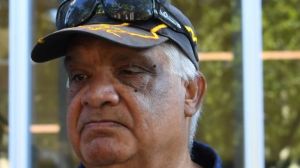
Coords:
218,26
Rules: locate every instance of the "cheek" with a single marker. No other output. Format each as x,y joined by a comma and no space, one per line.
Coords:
170,101
71,93
74,108
167,95
163,106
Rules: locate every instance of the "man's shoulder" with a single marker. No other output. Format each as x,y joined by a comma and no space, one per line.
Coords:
205,156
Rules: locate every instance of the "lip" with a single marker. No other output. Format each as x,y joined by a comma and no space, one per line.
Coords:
101,124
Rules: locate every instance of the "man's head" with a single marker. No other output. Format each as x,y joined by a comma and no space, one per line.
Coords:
134,88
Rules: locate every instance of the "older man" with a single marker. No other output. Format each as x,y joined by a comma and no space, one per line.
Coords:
134,88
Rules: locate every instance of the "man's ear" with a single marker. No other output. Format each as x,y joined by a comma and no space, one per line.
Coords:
195,90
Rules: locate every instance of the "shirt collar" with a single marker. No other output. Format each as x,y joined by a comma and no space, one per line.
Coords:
205,156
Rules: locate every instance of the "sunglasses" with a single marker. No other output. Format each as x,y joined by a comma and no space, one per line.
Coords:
72,13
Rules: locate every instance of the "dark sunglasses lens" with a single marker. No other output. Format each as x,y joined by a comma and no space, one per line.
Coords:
61,14
74,12
128,10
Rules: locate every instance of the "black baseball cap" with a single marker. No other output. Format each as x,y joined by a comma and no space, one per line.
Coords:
96,18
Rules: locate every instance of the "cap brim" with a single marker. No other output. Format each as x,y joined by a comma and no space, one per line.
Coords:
55,45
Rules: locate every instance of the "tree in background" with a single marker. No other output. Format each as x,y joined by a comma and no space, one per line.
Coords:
3,77
281,22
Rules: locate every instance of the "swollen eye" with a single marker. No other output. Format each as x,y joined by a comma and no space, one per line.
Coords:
132,70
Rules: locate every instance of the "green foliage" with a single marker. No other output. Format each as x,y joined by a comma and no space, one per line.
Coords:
3,76
3,43
281,24
3,29
212,21
282,110
3,12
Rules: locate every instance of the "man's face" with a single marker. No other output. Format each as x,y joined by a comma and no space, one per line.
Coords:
124,104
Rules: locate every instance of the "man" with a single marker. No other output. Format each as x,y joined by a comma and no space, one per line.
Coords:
134,88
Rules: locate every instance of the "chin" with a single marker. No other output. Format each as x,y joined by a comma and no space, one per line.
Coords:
104,151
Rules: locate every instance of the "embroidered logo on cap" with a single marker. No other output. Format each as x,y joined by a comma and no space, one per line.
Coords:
120,29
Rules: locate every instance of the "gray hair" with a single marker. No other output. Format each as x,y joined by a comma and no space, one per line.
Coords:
184,68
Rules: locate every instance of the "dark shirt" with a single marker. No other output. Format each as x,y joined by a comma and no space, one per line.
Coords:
203,155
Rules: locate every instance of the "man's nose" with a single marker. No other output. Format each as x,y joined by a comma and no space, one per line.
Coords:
99,93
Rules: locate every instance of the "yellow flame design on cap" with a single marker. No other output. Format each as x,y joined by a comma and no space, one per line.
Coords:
118,31
190,30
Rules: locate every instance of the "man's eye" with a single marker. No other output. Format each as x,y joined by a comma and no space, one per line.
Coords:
78,77
131,71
